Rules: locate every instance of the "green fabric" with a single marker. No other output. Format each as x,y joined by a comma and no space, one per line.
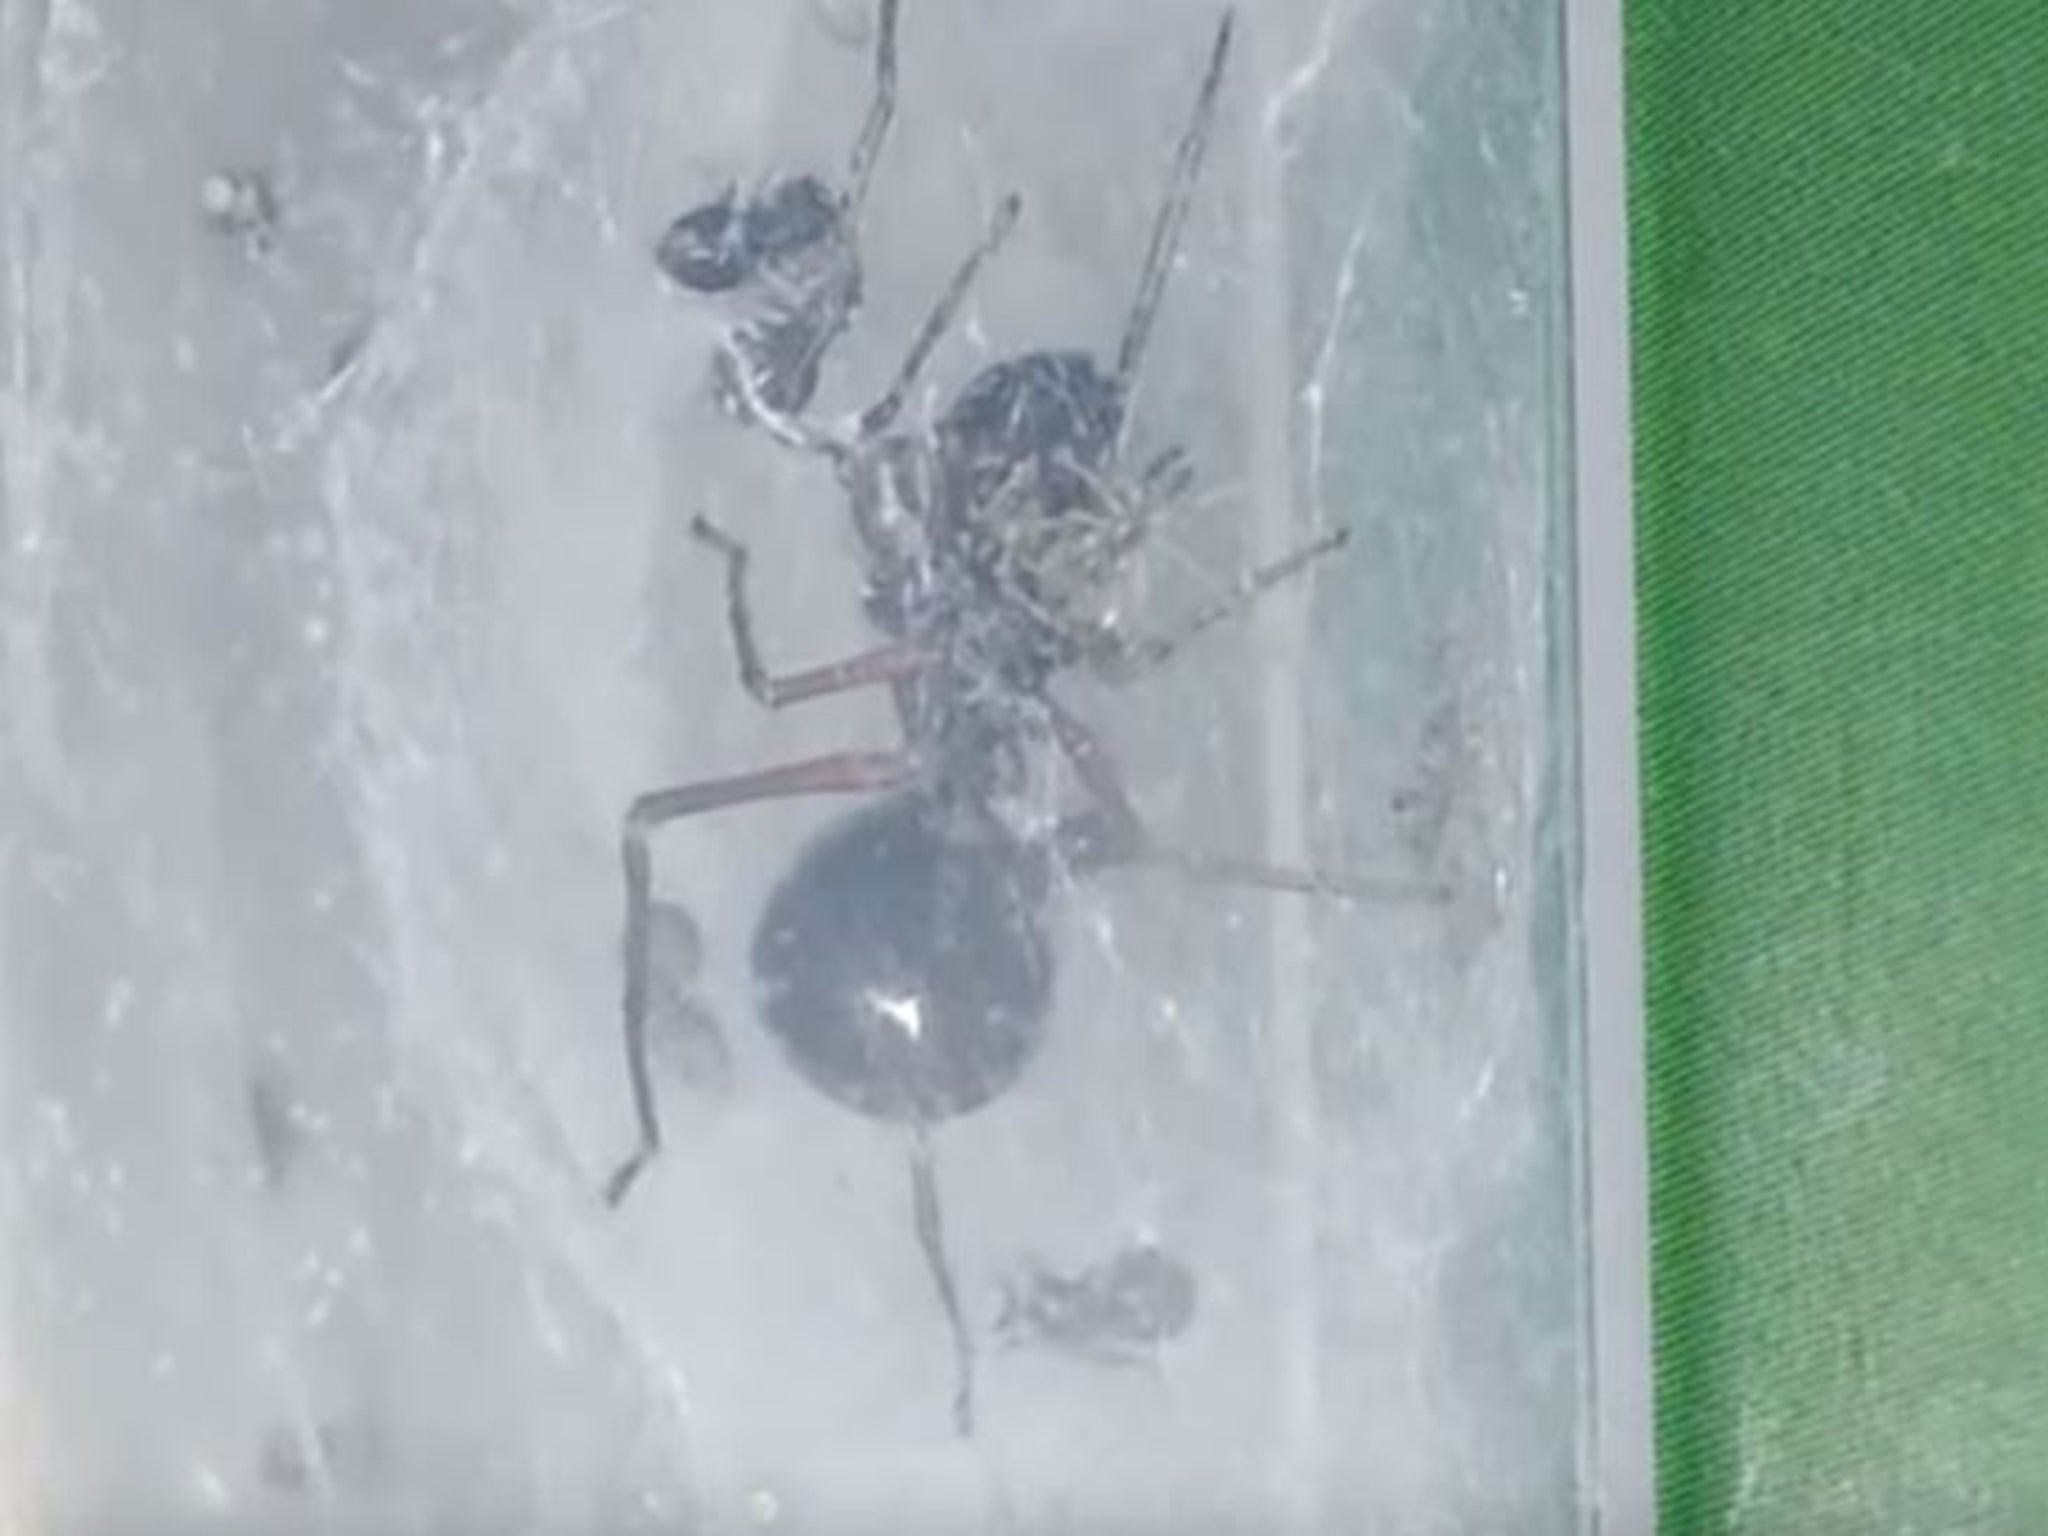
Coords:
1840,234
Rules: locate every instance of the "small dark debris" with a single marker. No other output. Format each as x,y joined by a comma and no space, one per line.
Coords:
241,205
675,942
1112,1312
274,1124
684,1030
347,349
332,1453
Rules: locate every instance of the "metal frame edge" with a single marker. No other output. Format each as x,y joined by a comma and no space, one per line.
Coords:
1623,1455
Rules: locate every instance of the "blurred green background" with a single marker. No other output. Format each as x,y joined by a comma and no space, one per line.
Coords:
1839,216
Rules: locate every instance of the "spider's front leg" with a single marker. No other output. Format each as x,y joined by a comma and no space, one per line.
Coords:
839,773
884,664
1119,658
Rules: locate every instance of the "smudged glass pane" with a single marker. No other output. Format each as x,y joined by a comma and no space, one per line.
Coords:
1036,1154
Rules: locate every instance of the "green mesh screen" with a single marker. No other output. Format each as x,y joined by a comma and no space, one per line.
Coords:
1840,225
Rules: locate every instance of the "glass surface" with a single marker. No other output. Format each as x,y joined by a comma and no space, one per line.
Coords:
352,433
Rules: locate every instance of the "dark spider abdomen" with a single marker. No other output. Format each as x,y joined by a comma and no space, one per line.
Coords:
1049,411
905,971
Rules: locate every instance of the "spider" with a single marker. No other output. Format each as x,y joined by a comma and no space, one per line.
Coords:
904,961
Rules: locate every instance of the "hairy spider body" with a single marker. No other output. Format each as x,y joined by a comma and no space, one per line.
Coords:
1055,414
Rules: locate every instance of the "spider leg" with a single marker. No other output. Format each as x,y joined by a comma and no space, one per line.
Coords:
931,1239
1173,214
868,147
1119,659
840,773
878,417
1168,477
1112,833
871,668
